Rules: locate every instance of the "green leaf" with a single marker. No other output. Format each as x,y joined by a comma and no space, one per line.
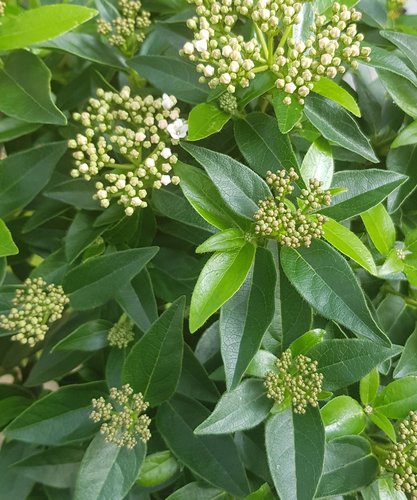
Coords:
245,318
194,380
330,89
221,277
212,458
369,386
263,493
349,244
345,361
262,84
336,125
87,47
349,465
81,234
108,471
238,185
205,198
7,245
287,116
366,189
11,128
383,489
56,467
263,146
340,299
295,450
387,61
204,120
12,483
407,364
153,365
171,75
90,336
380,228
199,491
94,282
243,408
34,25
59,417
401,90
398,398
157,469
307,341
318,164
406,43
407,136
383,423
23,175
343,416
261,364
230,239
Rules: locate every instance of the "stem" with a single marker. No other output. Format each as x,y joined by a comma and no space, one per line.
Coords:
260,69
284,37
270,49
262,40
119,166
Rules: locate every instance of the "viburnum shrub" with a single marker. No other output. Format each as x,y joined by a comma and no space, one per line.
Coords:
208,250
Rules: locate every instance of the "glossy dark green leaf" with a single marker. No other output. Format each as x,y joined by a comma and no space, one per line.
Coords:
59,417
406,43
245,318
171,75
194,381
108,471
345,361
407,364
97,280
318,163
11,128
303,344
199,491
320,267
348,466
398,398
80,235
406,137
7,245
90,336
25,89
204,120
157,469
240,409
263,83
401,90
88,47
238,185
387,61
221,277
401,161
153,365
56,467
295,449
12,483
263,145
205,198
34,25
342,416
23,175
337,125
365,190
212,458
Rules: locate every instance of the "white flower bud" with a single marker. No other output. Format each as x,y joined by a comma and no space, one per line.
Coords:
200,45
290,88
166,153
225,78
208,71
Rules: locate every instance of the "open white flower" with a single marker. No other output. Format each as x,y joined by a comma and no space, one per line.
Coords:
178,129
168,102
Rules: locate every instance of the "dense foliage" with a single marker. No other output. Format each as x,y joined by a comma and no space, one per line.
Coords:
208,250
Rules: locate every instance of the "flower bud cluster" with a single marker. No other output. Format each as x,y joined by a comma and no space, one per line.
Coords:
120,335
330,46
295,380
36,306
123,417
228,103
402,459
131,138
395,8
128,30
280,219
